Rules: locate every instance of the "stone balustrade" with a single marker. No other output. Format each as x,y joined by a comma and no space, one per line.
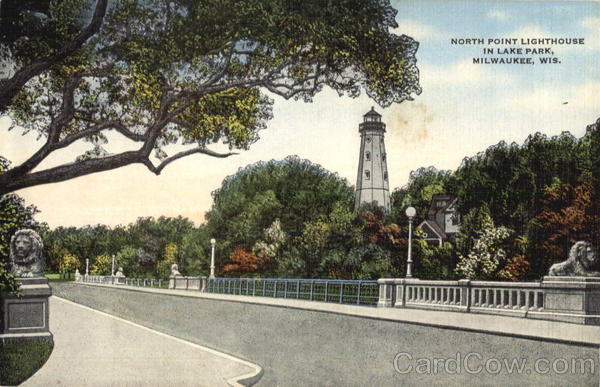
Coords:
188,283
103,279
568,299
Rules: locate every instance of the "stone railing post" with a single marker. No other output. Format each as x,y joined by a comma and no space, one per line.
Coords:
400,285
203,284
465,294
386,292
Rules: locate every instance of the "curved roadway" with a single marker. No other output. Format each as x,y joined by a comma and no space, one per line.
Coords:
301,347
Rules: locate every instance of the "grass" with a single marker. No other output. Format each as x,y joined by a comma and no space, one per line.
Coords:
55,277
20,360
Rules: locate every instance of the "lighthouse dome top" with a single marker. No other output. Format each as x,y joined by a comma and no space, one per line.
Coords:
372,116
372,122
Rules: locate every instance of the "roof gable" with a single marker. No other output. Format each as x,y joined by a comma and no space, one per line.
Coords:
432,230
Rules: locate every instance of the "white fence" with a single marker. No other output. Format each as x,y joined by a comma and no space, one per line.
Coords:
569,299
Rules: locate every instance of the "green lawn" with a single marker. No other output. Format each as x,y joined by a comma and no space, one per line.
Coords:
55,277
20,360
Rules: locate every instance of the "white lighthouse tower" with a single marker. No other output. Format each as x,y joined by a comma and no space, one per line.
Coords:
372,186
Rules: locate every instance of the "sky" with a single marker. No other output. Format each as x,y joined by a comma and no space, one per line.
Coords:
463,109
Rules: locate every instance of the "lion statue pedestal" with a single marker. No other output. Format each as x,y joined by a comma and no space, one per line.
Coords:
572,287
25,317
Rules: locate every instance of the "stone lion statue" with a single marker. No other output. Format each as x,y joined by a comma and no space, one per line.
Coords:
175,270
26,254
583,261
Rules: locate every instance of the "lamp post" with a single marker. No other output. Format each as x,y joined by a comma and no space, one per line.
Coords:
87,266
410,212
213,242
112,268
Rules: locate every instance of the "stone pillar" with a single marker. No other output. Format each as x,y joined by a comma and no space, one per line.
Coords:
386,293
570,299
400,285
203,283
25,316
465,294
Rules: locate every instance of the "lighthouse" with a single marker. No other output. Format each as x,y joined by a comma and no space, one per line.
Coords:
372,185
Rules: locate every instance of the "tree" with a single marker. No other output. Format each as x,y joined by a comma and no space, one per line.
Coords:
195,73
163,267
67,264
102,265
127,259
14,215
243,262
418,192
433,262
569,214
295,191
38,34
488,255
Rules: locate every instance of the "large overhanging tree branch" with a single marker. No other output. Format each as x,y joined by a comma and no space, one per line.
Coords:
179,76
35,66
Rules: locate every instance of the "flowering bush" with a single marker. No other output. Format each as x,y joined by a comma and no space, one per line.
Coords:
487,255
274,238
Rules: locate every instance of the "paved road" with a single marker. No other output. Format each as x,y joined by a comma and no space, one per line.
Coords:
300,347
92,348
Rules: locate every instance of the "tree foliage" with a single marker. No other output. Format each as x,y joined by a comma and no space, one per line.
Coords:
189,73
487,256
243,262
522,207
296,192
68,264
569,214
102,265
544,190
418,193
14,215
163,266
139,247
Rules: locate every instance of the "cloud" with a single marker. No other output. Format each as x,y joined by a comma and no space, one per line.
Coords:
590,22
592,32
496,15
416,30
530,32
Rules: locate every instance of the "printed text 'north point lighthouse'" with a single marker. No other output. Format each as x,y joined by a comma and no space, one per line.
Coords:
372,186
